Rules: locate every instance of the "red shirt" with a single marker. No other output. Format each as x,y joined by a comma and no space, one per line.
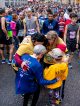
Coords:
68,21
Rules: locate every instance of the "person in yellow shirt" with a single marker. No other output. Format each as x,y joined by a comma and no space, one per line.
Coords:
26,47
53,41
58,70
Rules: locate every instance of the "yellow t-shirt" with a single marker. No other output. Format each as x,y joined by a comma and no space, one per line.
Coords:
26,46
58,70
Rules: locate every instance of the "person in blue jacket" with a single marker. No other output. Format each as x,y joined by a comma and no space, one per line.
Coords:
50,24
28,80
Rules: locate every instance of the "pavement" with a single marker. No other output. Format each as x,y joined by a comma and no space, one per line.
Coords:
9,98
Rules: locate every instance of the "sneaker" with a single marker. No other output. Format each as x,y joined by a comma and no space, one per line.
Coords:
3,61
9,62
70,66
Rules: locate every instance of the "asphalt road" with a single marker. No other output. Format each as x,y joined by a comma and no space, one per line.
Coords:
9,98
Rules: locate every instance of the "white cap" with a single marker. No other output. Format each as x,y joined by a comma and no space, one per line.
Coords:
56,53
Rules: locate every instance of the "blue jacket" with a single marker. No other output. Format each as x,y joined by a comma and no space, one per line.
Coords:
50,25
27,81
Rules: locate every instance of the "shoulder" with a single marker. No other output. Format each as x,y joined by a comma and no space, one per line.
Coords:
26,40
3,18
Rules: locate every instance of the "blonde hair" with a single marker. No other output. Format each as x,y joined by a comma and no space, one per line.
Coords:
52,34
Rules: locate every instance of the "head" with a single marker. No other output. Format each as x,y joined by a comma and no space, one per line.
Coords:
52,37
62,14
39,51
29,12
15,17
38,38
56,54
2,12
73,17
21,15
49,11
50,16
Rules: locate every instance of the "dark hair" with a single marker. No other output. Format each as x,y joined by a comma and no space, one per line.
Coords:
73,15
2,10
69,9
39,38
49,10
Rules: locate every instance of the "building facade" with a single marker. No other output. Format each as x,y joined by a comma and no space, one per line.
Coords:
13,2
70,1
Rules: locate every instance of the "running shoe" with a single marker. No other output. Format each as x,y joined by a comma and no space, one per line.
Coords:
3,61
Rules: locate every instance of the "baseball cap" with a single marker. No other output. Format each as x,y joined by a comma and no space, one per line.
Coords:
56,53
62,47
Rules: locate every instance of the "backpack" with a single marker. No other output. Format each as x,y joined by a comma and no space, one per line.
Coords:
13,25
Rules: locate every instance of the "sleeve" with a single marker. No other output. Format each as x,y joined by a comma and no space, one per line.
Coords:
18,59
41,80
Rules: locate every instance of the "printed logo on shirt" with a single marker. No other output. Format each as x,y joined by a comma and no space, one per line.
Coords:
50,27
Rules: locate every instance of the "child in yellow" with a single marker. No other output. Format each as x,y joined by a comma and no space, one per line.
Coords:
58,70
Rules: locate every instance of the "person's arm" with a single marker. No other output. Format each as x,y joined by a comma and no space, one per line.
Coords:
41,80
37,24
4,27
25,29
56,27
77,38
44,28
65,34
18,59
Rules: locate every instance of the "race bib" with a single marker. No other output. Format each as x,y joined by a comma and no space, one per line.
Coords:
72,35
31,31
61,28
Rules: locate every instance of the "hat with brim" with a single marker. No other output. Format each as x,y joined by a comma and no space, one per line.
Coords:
56,53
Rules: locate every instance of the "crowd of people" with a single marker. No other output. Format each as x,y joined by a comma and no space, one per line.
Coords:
40,40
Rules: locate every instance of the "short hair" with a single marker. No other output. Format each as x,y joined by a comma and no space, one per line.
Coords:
69,9
2,10
14,16
52,34
39,49
38,37
73,15
49,10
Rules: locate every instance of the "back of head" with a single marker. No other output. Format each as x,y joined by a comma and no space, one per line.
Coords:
39,49
38,37
73,15
69,9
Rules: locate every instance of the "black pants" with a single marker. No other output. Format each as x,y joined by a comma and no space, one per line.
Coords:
62,90
34,99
